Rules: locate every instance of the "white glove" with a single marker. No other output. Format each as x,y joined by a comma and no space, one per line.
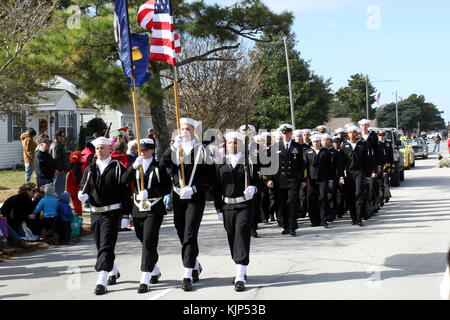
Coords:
83,197
178,142
186,193
249,192
139,160
220,216
143,195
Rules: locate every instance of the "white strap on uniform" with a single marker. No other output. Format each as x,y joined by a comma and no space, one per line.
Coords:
197,160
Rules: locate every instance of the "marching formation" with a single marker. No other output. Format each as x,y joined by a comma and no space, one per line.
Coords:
280,176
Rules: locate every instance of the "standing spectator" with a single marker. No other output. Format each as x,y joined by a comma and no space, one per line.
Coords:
437,143
132,151
119,153
59,153
73,181
47,209
17,208
65,219
129,136
88,154
44,164
29,147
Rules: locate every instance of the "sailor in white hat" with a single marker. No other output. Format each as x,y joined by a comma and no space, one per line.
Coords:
306,136
189,195
234,202
102,184
148,209
298,136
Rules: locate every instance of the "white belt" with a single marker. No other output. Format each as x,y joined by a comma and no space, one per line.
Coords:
106,208
235,200
146,205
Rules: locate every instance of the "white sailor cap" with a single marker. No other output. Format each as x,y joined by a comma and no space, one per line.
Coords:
286,128
101,141
298,132
147,144
326,136
306,131
322,127
250,128
363,121
354,128
316,137
189,121
375,129
265,134
276,134
348,125
340,130
234,135
257,138
315,132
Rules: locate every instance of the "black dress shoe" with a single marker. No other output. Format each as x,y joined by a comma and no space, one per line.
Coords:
196,274
112,280
186,284
292,233
155,279
324,224
361,224
386,200
99,290
239,286
284,232
245,278
254,234
143,288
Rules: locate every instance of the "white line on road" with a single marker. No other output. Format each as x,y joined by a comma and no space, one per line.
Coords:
161,294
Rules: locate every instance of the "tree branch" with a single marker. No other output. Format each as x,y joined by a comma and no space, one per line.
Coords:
206,54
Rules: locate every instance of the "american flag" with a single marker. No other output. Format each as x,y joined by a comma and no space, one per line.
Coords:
377,98
145,15
163,39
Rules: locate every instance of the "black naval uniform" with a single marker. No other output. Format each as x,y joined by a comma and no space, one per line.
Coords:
148,215
237,212
336,195
287,181
358,166
258,213
269,203
320,171
303,193
188,213
388,164
107,193
372,188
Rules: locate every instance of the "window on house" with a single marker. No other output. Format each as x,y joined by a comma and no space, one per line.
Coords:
18,125
65,124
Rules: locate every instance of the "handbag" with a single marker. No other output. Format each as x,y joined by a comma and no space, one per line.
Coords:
76,225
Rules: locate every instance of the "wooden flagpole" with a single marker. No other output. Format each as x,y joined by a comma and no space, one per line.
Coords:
177,112
138,135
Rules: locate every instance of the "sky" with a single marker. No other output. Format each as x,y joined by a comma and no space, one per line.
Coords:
406,41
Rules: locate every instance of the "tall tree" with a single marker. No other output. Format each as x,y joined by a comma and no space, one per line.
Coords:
89,55
311,93
412,113
353,97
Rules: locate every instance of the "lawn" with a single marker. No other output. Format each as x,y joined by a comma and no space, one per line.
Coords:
10,181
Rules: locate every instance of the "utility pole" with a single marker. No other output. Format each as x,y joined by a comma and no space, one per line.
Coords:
367,96
396,110
291,98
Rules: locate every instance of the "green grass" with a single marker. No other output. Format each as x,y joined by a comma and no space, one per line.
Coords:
10,182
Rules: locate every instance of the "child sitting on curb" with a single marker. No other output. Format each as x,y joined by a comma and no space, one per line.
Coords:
47,208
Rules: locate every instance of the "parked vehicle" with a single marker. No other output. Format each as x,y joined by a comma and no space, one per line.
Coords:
408,155
399,174
420,147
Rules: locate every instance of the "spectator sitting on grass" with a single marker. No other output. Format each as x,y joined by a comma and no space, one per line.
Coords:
47,208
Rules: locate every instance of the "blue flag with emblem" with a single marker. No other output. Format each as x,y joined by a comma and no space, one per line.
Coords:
134,49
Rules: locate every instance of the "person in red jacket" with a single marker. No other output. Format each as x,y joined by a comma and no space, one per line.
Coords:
88,154
73,180
119,153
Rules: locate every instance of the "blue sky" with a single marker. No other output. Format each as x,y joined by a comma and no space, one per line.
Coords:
403,40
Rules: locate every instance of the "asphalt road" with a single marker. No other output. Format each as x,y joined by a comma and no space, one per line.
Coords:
399,254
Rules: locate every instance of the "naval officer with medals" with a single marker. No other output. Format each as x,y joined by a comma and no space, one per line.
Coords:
148,209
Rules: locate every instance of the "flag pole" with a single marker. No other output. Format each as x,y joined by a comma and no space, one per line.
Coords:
177,113
138,136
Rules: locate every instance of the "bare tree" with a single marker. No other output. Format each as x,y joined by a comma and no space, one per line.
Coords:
219,89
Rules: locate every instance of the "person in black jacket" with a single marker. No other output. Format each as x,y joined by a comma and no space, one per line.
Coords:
148,209
102,184
388,165
288,178
359,169
233,200
189,196
320,173
59,153
339,196
44,164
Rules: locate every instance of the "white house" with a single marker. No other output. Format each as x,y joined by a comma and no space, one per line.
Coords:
56,109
